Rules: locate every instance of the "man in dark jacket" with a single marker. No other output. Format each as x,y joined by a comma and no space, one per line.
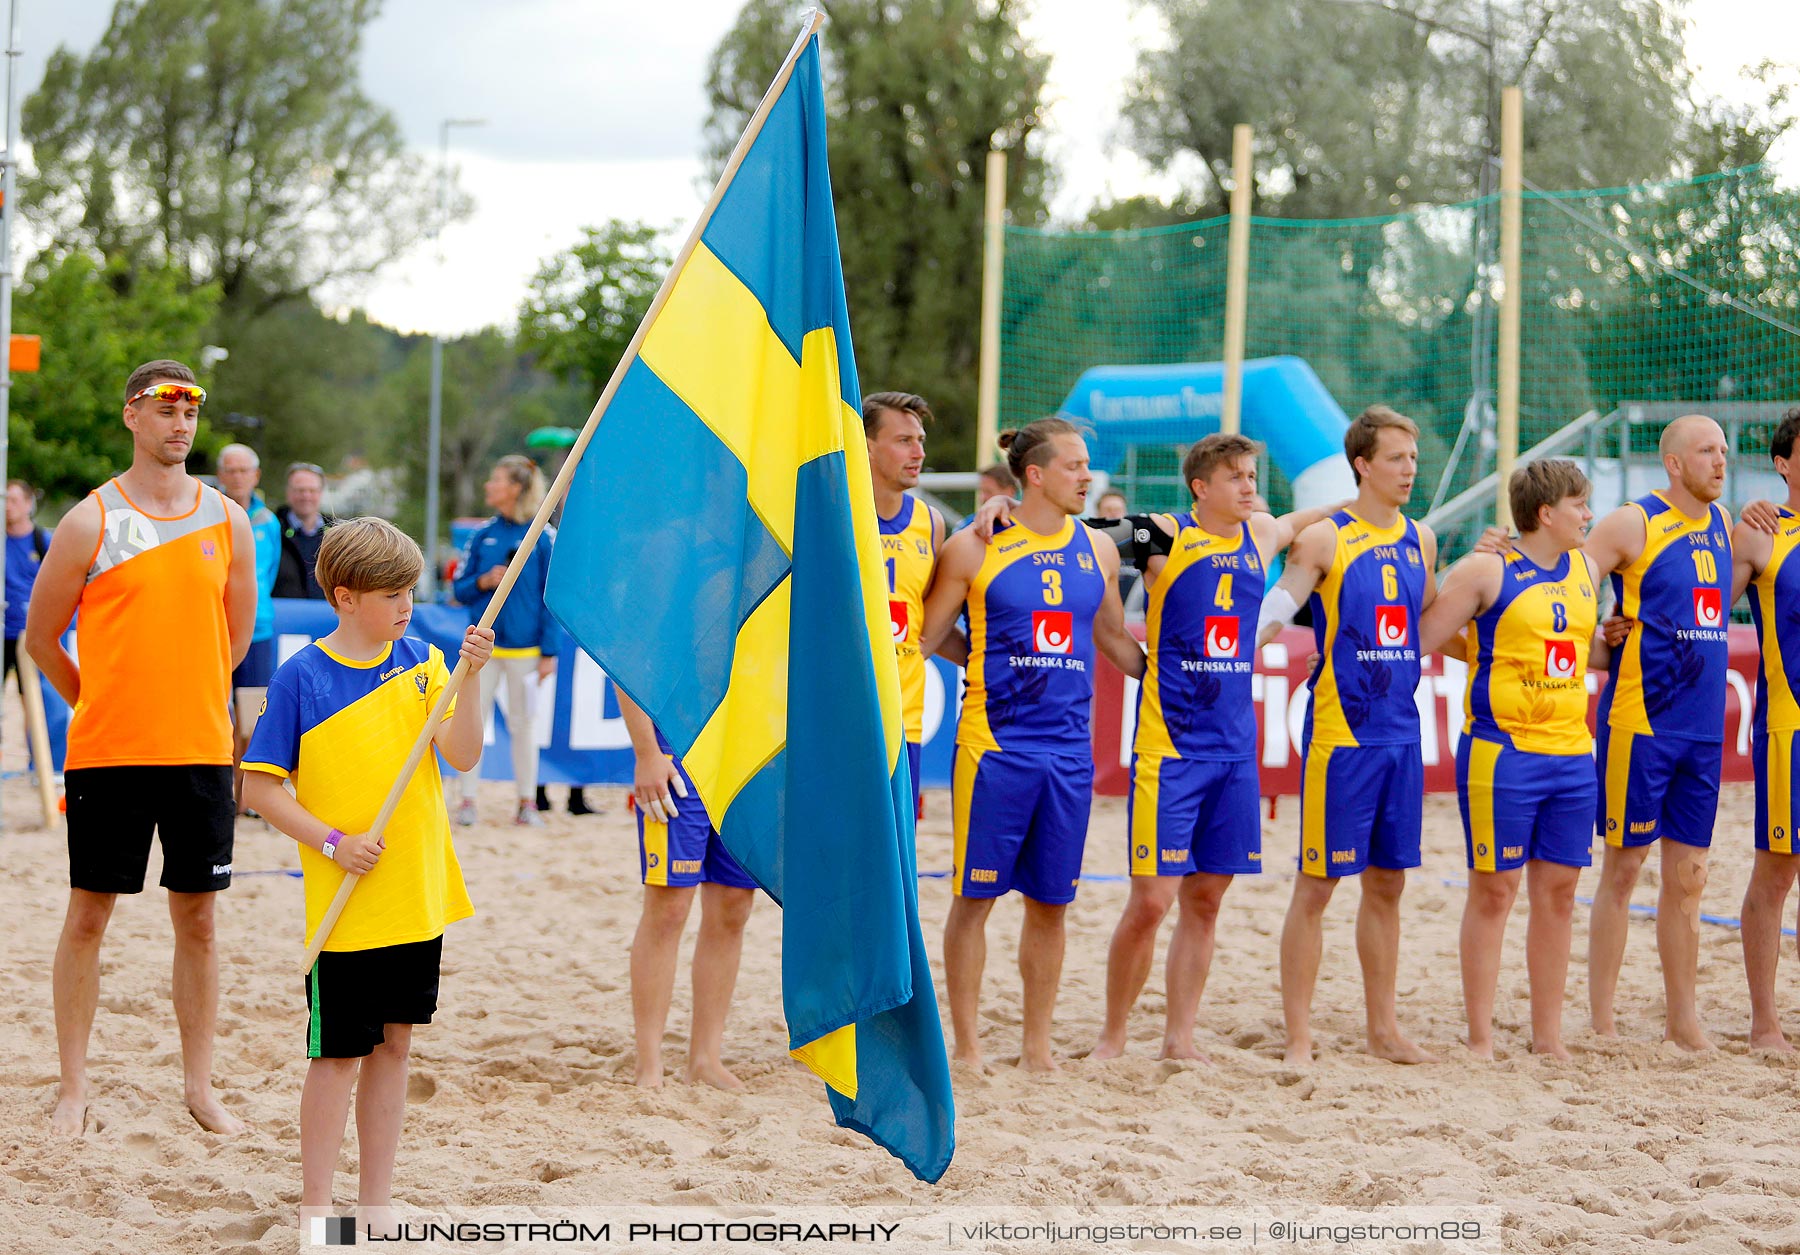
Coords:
302,531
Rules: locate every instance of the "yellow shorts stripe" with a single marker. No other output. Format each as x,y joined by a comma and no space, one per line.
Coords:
656,852
1146,784
1483,757
962,800
1312,813
1780,766
1618,781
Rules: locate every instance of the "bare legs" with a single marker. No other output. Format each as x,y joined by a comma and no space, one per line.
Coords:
724,911
1551,887
1677,936
195,985
1377,947
1771,877
1133,951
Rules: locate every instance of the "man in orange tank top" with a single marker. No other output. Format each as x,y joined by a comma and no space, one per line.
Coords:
163,571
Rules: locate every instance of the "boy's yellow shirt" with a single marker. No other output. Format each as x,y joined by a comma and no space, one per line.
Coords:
340,730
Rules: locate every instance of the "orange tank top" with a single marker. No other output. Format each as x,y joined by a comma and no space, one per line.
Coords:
153,642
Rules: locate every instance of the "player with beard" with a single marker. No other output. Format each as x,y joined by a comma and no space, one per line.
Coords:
1040,596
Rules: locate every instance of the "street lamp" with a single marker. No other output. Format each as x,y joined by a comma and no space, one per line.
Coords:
434,438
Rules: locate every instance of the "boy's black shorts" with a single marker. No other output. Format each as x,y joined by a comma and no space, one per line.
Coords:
112,811
351,994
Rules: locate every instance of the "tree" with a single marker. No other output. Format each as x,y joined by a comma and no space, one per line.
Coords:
1365,106
918,92
97,323
229,140
585,304
492,397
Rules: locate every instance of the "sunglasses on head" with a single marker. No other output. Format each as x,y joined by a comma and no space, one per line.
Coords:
171,392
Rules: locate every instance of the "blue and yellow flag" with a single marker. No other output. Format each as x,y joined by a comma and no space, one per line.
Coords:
718,556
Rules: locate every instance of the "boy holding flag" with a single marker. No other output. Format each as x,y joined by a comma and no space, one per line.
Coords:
338,720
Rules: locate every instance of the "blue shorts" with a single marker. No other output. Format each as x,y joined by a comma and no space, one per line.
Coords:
914,752
1517,806
1021,823
1776,788
1657,786
1360,806
257,667
686,851
1194,815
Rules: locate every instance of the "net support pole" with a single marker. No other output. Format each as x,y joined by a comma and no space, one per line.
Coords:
993,260
1512,147
1237,281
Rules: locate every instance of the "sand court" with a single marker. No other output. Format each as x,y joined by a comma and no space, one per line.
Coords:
521,1090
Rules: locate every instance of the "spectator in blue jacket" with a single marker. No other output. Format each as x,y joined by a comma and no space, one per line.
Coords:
240,471
525,636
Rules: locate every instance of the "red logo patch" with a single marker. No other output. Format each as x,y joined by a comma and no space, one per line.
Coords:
1709,608
897,619
1390,626
1052,631
1559,659
1221,636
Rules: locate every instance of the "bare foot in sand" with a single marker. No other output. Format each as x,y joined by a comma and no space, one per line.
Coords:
649,1072
211,1115
713,1073
1550,1050
1299,1052
70,1116
1773,1042
970,1055
1183,1050
1108,1048
1397,1049
1691,1040
1039,1063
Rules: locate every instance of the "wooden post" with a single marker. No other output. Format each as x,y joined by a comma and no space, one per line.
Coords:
37,730
993,262
1237,280
814,19
1512,146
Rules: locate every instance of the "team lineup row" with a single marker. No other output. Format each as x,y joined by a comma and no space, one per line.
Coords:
1036,590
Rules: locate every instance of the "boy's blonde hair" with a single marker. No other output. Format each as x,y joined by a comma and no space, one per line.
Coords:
367,555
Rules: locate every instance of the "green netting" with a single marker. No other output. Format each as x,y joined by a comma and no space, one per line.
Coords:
1679,291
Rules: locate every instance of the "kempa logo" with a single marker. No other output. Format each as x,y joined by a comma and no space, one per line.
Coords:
333,1231
221,869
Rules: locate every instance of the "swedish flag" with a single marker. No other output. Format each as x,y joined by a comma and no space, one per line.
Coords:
718,556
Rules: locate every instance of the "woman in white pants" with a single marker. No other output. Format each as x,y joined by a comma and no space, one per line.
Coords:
525,636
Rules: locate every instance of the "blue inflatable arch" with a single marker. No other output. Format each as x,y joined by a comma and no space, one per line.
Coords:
1285,406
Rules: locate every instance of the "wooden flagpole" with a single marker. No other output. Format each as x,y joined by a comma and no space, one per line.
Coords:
37,730
811,22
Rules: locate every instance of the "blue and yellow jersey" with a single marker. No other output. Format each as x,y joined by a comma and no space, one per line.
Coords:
1775,605
908,554
1201,631
1528,673
1030,678
1365,615
340,731
1668,679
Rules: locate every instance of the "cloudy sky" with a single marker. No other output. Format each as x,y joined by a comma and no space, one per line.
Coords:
594,108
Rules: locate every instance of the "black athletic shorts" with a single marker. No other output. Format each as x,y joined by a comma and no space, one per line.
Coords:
352,994
112,811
